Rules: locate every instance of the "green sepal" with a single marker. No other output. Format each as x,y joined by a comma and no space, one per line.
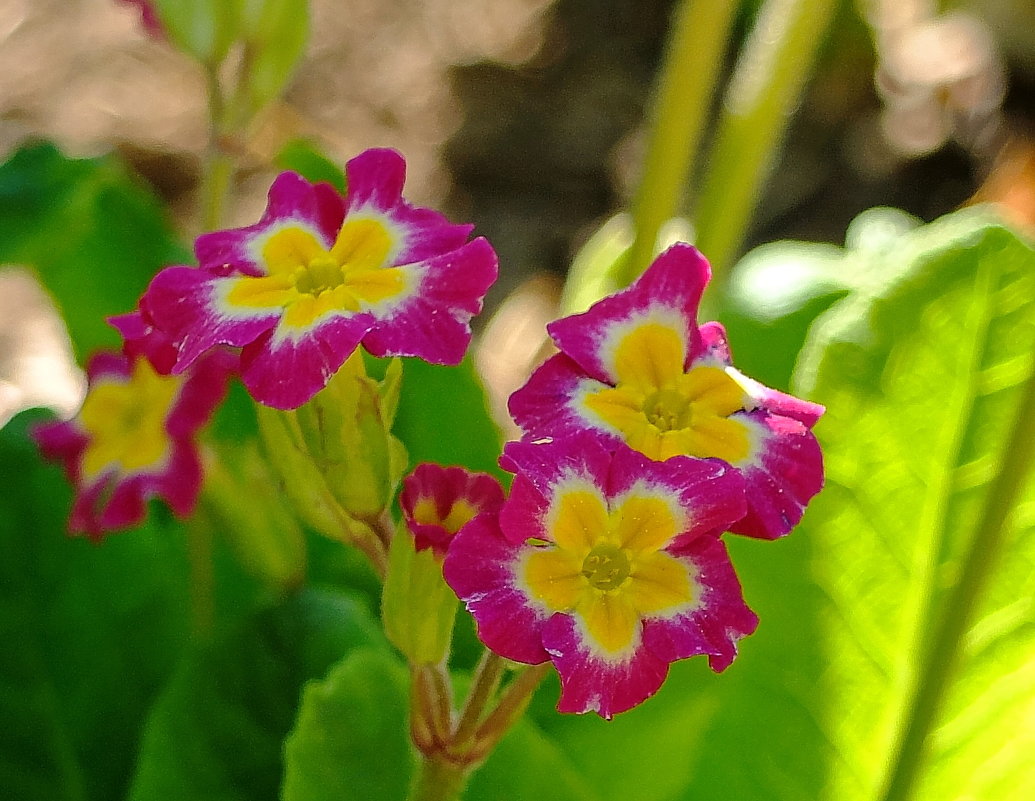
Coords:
417,606
346,429
261,530
300,481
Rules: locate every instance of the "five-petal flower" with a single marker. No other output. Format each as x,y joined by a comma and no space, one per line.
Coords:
438,501
636,368
318,275
608,564
133,439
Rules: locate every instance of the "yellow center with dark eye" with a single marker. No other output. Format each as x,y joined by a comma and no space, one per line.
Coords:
668,410
308,281
606,567
663,410
321,274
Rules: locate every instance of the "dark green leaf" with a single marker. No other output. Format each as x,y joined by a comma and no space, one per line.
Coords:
217,730
89,634
443,417
94,236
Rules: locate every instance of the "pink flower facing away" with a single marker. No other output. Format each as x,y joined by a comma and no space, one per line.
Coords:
636,368
133,439
608,564
438,501
318,275
148,17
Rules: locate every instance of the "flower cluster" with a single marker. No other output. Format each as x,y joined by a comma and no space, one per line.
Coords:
642,446
297,293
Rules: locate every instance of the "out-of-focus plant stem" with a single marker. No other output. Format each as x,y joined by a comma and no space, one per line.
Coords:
697,44
939,663
772,68
218,167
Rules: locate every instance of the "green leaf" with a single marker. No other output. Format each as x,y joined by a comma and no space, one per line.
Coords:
923,376
350,740
89,634
443,417
305,158
203,28
274,34
216,732
94,236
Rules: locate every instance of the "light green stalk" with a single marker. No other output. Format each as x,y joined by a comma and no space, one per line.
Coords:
696,47
770,72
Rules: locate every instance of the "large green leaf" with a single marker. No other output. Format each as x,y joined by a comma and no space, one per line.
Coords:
443,417
351,742
922,376
216,732
93,235
89,634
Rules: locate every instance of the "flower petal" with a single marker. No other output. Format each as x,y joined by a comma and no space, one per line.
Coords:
375,181
483,569
667,294
782,473
713,621
432,319
190,306
592,683
293,202
286,370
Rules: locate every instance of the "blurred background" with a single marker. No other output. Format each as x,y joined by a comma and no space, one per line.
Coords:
527,116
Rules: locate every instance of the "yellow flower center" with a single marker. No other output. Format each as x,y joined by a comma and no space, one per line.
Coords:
663,412
126,421
309,282
425,512
606,565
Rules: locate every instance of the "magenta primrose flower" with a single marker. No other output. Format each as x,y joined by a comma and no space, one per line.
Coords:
637,369
318,275
438,501
607,563
133,439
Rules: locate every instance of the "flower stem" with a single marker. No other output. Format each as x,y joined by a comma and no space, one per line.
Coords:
483,686
940,661
770,72
696,47
437,779
218,167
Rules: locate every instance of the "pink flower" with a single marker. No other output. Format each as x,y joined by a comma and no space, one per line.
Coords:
437,502
133,439
320,274
637,369
608,564
148,17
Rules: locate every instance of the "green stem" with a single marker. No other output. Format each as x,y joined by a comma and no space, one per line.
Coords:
512,705
218,167
941,659
483,686
770,73
696,47
437,779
